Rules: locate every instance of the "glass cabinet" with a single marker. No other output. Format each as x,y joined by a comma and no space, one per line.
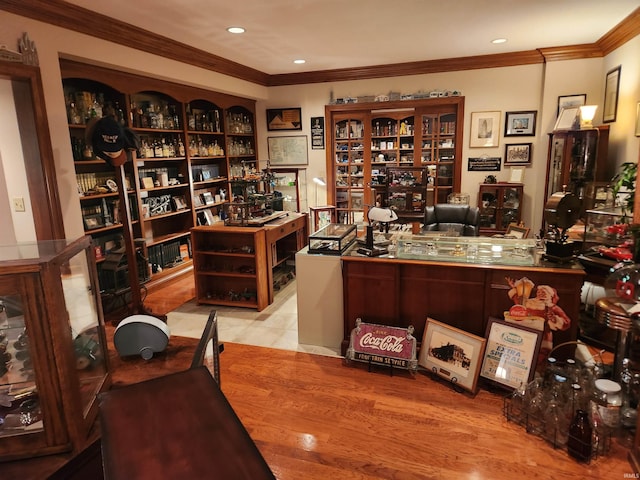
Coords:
576,160
500,204
52,345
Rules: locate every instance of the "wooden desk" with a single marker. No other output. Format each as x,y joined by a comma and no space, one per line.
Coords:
178,426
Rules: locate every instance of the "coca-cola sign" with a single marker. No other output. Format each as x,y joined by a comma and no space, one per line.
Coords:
383,345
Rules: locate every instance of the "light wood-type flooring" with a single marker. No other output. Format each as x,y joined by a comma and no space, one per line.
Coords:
315,418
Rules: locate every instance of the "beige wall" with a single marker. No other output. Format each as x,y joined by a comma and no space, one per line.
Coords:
532,87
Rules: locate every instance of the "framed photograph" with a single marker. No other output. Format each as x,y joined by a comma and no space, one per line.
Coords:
611,87
520,124
317,133
568,119
452,354
566,101
205,174
511,353
516,175
485,129
517,154
284,119
93,221
285,151
207,197
638,120
516,231
197,200
179,202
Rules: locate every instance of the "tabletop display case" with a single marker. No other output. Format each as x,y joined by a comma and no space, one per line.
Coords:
52,342
333,239
605,226
478,250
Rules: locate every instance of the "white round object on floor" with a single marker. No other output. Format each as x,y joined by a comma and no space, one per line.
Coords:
141,335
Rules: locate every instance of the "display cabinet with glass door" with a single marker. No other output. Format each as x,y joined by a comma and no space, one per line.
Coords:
500,205
52,346
577,159
348,168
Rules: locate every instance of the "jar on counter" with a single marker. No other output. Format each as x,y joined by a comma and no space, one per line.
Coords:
606,403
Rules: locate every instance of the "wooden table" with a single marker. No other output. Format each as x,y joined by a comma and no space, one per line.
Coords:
177,426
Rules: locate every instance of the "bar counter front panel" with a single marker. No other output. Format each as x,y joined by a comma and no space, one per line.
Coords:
398,292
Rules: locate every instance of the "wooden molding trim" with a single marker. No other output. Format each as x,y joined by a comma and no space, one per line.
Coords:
621,33
72,17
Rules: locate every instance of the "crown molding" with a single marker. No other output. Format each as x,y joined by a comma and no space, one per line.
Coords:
72,17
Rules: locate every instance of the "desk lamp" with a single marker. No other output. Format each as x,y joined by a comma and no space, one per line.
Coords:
382,215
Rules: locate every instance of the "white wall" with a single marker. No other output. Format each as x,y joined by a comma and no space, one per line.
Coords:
12,171
530,87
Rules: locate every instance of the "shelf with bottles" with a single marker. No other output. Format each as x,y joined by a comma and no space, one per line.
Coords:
204,116
155,111
161,146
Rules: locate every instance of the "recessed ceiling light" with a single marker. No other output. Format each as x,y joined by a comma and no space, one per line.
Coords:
235,30
498,41
299,61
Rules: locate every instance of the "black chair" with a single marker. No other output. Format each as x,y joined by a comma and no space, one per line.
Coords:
446,217
209,342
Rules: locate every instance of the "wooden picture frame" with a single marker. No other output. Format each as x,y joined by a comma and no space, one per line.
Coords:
638,120
452,354
147,183
520,124
511,353
279,119
517,154
611,90
569,119
179,202
516,231
289,150
485,129
208,199
91,222
575,100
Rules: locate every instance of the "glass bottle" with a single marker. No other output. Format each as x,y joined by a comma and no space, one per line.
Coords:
579,441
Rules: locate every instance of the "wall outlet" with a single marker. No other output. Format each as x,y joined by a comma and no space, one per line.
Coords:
18,204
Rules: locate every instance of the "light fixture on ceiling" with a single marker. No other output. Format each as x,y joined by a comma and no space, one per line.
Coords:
235,30
587,112
498,41
299,61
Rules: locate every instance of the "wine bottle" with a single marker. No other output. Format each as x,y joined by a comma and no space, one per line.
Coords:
579,441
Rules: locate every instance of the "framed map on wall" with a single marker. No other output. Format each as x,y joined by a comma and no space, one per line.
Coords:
291,150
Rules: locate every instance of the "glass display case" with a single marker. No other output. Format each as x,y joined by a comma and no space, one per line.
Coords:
500,205
605,226
333,239
479,250
52,345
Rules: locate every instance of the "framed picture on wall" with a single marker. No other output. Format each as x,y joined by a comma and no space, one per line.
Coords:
566,101
520,124
517,154
485,129
611,87
284,119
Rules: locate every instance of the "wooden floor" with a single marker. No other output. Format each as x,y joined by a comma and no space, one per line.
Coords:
315,418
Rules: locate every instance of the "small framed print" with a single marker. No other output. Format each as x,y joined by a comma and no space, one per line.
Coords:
284,119
517,154
485,129
92,222
208,198
520,124
452,354
179,202
516,231
511,353
566,101
568,119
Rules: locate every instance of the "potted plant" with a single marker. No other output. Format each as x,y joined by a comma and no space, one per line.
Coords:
624,183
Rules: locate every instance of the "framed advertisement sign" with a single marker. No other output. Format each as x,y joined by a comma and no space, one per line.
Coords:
511,353
383,345
452,354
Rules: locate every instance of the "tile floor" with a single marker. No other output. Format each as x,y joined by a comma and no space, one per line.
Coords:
276,326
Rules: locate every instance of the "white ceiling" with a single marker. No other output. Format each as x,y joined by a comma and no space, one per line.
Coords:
332,34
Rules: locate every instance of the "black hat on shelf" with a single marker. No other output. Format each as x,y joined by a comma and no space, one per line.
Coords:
111,141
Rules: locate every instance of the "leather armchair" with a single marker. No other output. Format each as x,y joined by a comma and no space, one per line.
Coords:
460,218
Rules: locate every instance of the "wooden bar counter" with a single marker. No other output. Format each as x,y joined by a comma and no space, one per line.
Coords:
403,292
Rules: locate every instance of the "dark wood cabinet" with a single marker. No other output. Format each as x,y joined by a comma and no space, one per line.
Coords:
500,205
193,142
365,140
405,292
576,160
